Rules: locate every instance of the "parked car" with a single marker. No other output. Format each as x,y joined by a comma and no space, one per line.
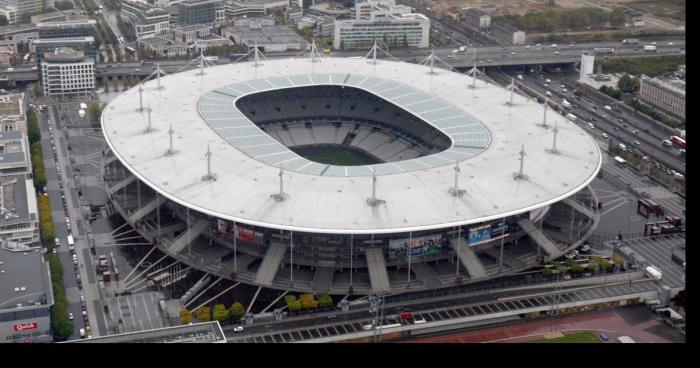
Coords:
70,316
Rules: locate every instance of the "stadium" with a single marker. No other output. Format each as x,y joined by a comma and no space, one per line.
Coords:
347,175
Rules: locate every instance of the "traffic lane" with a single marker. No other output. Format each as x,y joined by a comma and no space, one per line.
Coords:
648,144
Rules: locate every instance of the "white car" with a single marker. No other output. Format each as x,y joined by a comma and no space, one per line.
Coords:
70,316
604,135
238,329
367,327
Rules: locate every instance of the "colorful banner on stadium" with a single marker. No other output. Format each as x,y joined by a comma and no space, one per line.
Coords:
479,235
500,229
421,246
250,236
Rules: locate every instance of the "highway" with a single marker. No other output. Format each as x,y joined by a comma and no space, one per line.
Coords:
586,109
484,56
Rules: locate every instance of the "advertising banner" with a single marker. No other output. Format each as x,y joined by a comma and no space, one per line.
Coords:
26,326
499,229
479,234
249,235
420,246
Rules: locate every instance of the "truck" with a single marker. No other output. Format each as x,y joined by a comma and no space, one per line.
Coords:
571,117
654,272
566,104
650,48
630,41
604,50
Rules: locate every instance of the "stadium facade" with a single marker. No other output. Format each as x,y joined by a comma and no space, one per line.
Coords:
458,180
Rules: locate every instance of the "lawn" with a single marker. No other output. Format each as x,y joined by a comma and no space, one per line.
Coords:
339,157
577,338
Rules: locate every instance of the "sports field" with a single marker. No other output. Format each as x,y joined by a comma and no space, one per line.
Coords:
577,338
335,155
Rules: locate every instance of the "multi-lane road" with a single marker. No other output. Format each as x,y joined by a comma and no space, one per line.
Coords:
608,122
484,56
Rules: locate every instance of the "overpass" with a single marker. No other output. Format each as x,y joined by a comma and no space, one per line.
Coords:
484,56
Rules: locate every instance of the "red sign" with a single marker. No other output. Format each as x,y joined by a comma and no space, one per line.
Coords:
26,326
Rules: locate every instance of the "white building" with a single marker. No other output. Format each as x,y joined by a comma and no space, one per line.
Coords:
147,20
10,12
383,21
28,6
67,72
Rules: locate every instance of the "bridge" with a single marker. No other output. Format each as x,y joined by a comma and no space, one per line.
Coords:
484,57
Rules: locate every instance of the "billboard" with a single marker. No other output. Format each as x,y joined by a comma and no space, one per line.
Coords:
479,234
26,326
420,246
499,229
250,236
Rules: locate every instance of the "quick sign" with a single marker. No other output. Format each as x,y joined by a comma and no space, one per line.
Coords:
26,326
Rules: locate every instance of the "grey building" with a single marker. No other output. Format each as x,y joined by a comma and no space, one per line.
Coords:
191,12
81,28
28,6
507,34
475,18
666,95
147,20
268,38
26,297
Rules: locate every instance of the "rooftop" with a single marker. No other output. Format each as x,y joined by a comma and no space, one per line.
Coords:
415,191
65,40
15,203
64,54
23,279
265,35
11,105
206,332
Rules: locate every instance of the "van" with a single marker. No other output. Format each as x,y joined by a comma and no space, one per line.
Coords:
82,333
666,143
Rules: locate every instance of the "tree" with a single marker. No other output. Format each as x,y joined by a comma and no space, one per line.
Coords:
33,131
292,303
3,20
105,81
551,3
63,5
325,300
308,301
95,110
236,312
203,314
625,84
617,259
185,316
220,312
617,18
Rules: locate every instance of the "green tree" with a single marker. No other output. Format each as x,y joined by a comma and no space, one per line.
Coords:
63,5
617,18
220,313
33,132
3,20
551,3
617,259
38,170
185,316
46,226
203,314
625,84
293,304
236,312
95,110
325,300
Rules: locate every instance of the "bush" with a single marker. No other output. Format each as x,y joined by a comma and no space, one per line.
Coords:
95,111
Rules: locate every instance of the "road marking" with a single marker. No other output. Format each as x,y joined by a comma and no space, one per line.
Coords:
614,207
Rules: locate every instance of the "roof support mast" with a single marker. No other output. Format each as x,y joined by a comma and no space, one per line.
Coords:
374,201
209,176
281,196
170,150
520,175
455,191
140,97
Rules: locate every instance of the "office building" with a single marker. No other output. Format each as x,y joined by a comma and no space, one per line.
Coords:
147,20
65,29
12,114
27,6
67,71
267,38
191,12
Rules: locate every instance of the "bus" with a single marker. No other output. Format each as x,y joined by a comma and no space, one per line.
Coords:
680,142
604,50
71,242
